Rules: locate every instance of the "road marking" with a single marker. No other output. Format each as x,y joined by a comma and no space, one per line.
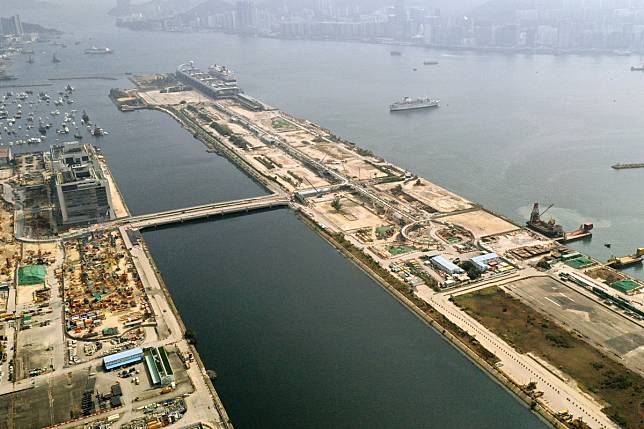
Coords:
555,303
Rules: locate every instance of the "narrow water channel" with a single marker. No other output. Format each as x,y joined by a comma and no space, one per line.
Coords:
301,338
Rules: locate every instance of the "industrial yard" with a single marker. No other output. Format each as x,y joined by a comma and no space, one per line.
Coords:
104,296
75,297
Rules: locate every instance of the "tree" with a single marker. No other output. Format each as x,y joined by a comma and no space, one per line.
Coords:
336,204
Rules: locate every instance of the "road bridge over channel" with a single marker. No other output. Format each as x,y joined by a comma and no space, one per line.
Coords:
205,211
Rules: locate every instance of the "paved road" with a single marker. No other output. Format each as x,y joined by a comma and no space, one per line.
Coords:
557,394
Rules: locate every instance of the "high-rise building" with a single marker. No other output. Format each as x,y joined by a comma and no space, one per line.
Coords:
17,23
246,15
82,191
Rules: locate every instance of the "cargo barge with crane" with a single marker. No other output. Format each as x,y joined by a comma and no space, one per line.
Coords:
553,230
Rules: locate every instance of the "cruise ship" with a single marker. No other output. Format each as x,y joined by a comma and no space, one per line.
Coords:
408,103
98,51
222,73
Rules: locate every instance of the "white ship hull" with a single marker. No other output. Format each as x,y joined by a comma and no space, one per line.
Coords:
398,108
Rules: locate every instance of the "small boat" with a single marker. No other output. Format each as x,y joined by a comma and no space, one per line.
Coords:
395,53
98,132
98,51
430,62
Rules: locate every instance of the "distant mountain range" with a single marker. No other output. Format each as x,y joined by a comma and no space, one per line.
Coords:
158,7
26,4
7,23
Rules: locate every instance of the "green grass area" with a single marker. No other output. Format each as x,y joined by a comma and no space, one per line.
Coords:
32,275
626,285
580,262
529,331
383,229
399,250
282,124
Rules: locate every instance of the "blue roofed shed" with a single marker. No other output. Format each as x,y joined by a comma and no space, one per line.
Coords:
123,358
446,265
480,262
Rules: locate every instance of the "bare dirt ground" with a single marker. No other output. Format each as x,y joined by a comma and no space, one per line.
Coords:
481,223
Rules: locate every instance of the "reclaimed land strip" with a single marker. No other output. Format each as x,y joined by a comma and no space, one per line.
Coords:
389,222
529,331
401,292
458,337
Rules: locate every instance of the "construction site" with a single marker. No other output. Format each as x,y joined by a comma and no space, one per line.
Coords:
104,296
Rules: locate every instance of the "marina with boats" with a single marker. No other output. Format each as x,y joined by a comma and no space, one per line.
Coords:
25,118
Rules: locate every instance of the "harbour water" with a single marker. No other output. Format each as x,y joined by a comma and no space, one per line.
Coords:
298,335
511,129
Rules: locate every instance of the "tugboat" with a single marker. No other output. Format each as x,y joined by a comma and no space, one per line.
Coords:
98,51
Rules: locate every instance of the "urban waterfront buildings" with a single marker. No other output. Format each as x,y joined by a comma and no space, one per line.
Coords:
556,26
82,192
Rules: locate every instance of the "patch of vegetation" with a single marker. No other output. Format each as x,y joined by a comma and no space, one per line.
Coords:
470,269
529,331
221,128
191,336
363,152
336,204
558,340
239,141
